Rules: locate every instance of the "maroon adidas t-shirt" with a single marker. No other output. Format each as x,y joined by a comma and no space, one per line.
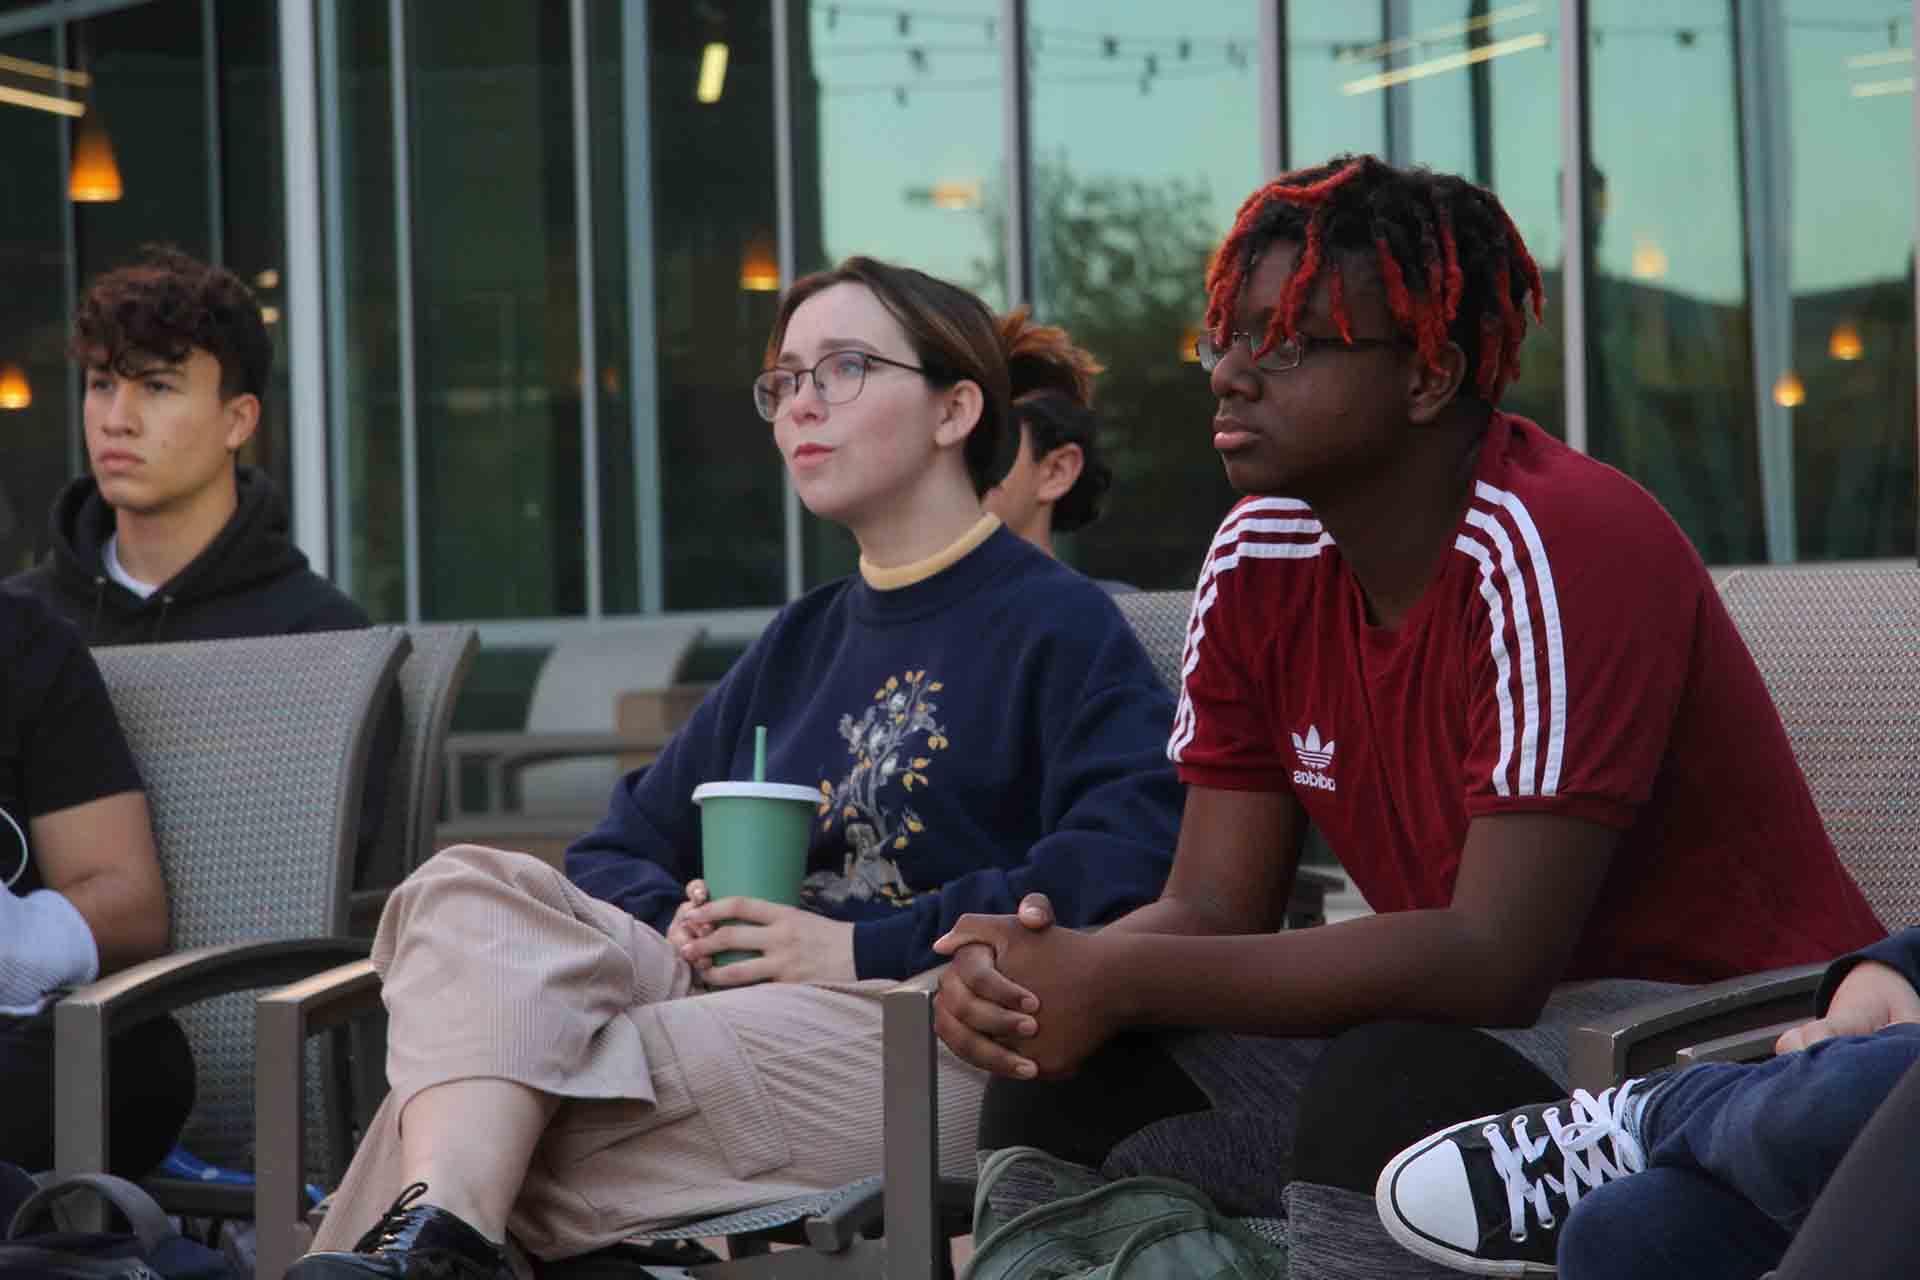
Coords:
1572,657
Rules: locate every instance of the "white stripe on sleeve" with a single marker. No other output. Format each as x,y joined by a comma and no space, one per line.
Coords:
1502,669
1549,601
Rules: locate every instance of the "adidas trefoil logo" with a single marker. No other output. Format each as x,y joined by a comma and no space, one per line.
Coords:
1317,756
1313,753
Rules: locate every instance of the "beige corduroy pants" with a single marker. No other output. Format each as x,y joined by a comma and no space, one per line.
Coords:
677,1103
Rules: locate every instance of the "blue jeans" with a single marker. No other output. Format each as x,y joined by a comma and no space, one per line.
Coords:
1736,1154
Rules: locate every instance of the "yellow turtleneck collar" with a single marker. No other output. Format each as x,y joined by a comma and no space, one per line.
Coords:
920,570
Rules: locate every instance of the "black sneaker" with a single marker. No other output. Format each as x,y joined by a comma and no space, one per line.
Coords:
1488,1196
411,1242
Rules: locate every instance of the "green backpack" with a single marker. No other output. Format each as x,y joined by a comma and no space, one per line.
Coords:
1092,1229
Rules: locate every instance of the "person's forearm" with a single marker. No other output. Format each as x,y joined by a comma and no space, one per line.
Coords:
129,923
1411,964
1173,915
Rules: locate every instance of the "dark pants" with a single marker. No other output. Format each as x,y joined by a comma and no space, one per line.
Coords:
1737,1153
1880,1169
151,1072
1241,1116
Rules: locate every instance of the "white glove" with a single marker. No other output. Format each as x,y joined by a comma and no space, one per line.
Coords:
45,946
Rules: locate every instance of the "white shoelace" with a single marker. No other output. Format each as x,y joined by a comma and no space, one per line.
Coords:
1584,1164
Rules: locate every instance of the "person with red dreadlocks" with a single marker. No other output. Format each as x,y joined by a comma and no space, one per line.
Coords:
1490,670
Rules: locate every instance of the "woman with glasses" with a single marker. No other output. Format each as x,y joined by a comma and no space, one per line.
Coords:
567,1062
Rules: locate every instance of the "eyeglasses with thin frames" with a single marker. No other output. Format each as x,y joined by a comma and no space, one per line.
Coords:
1286,354
839,376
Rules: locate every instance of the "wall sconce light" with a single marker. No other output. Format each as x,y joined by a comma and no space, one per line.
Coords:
1845,343
1789,392
759,269
14,391
1189,351
94,177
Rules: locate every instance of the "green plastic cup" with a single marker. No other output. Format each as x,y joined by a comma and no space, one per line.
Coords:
753,842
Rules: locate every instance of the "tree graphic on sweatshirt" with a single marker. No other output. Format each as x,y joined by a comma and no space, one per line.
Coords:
892,745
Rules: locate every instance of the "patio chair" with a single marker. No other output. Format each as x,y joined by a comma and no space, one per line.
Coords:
429,682
574,695
1839,647
253,753
605,702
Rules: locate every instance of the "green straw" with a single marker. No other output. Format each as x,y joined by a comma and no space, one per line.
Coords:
759,753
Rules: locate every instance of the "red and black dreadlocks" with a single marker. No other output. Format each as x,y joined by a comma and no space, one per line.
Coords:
1452,263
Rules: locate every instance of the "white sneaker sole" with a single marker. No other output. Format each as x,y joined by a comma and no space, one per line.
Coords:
1429,1248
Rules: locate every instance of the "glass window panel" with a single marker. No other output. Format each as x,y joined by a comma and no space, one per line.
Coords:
1124,218
898,121
496,312
898,154
148,101
1327,47
1850,97
716,284
613,375
1670,383
253,220
367,365
1469,87
38,389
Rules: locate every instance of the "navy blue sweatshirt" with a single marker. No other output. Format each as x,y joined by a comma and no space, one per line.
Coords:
993,730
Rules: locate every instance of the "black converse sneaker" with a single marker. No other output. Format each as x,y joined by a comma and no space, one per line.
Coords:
1488,1196
411,1241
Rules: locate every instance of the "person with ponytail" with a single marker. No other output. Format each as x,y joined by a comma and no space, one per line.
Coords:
1059,478
567,1064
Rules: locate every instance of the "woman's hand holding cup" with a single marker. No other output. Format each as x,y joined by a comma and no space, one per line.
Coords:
682,930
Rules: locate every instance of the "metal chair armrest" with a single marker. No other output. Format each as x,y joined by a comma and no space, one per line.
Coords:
85,1021
1742,1046
1646,1037
911,1164
283,1019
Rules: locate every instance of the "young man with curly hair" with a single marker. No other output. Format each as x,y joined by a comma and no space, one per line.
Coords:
169,537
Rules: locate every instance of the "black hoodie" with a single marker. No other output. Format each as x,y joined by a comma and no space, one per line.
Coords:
250,581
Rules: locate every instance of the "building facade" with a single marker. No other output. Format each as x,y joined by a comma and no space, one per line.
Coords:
520,256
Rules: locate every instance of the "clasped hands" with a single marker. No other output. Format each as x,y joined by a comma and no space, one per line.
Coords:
794,945
1021,998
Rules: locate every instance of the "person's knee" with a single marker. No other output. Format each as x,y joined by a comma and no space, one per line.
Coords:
476,860
1383,1086
1807,1115
464,876
153,1090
